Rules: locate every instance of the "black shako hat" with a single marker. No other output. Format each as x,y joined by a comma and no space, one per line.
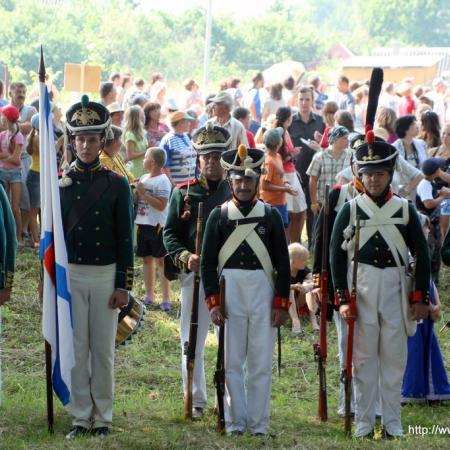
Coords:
373,155
211,138
87,117
243,161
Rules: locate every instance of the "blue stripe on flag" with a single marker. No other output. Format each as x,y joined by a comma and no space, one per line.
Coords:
62,290
59,386
47,109
45,244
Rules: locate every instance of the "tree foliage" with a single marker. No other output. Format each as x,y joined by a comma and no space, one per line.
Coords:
120,34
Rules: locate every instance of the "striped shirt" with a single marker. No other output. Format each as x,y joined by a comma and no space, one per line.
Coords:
181,157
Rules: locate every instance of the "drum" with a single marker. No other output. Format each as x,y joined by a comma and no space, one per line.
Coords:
130,319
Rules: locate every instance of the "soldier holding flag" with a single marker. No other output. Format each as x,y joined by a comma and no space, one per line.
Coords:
98,224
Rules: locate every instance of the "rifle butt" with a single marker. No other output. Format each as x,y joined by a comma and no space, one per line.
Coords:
323,407
348,412
188,396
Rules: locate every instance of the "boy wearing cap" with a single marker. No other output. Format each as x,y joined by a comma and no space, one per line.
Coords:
326,164
98,225
181,158
273,187
245,242
428,201
211,189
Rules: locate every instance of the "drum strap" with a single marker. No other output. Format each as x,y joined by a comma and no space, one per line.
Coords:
124,311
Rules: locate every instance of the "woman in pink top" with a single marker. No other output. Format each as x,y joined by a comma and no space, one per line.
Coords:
296,204
11,142
154,128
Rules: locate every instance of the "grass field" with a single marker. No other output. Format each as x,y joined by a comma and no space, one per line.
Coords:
148,411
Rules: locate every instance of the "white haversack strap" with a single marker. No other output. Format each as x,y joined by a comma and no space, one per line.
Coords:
246,232
233,242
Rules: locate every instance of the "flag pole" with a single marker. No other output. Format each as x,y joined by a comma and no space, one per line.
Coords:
48,349
207,51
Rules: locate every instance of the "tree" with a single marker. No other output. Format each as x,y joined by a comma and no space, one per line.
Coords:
415,22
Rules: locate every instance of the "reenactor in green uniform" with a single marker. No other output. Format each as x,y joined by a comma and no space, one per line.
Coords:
211,188
390,229
245,242
98,225
8,245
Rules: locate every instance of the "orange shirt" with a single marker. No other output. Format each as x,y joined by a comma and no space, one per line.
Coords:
275,175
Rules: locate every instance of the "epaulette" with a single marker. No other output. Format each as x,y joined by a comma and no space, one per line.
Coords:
337,187
185,183
112,173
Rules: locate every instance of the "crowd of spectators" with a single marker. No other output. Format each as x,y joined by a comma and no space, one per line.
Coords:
315,122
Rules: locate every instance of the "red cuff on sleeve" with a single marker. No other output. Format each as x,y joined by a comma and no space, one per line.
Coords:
212,301
341,297
280,303
418,297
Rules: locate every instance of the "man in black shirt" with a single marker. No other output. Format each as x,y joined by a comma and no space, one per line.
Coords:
304,124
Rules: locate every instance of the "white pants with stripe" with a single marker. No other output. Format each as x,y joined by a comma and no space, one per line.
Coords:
249,342
380,348
204,319
94,327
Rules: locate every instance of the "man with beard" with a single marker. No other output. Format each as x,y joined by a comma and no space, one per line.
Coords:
211,189
246,243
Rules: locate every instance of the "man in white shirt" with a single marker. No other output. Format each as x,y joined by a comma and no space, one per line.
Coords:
437,95
223,103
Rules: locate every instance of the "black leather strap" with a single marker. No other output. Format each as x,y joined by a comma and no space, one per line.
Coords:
125,311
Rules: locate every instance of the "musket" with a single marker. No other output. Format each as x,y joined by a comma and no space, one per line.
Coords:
347,372
320,349
219,374
446,325
279,350
191,345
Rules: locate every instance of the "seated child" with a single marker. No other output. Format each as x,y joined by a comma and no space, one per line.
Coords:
302,300
153,191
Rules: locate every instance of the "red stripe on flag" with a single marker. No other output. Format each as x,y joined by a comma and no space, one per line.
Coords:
49,261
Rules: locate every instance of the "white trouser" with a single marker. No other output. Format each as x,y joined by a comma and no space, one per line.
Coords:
94,329
249,340
204,319
380,348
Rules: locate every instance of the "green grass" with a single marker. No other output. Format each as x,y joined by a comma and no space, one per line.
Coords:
148,410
